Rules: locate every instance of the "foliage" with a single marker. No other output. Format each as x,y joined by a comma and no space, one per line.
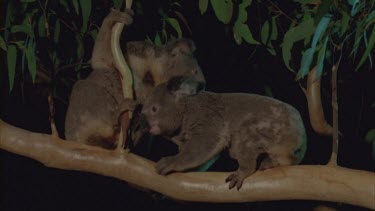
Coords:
325,27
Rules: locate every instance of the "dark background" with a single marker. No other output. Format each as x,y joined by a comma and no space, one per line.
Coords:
27,185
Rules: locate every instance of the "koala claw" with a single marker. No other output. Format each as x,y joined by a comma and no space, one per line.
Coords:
235,179
164,165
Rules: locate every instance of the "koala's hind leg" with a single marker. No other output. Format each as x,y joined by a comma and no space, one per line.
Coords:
246,167
280,159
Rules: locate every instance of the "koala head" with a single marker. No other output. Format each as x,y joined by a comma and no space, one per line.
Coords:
164,107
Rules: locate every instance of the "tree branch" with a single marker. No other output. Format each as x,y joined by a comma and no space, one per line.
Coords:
325,183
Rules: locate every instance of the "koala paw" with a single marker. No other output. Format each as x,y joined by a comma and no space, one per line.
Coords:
235,179
165,165
125,17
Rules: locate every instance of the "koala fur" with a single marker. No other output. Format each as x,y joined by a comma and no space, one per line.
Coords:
94,114
205,123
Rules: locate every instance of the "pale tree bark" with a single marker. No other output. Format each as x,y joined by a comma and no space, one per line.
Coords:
324,183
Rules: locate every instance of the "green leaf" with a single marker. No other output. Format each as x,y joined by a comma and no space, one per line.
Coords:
117,3
93,33
64,3
31,59
264,32
56,32
309,53
370,136
11,60
242,12
86,11
322,10
369,48
321,57
344,23
176,26
208,164
303,30
223,10
41,26
203,5
274,29
243,31
76,6
3,45
157,40
357,6
25,28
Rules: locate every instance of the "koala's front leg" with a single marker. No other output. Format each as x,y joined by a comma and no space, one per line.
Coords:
102,54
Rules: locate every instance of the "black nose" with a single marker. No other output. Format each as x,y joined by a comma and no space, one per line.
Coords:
201,86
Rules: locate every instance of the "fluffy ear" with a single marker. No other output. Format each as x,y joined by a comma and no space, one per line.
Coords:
183,86
182,46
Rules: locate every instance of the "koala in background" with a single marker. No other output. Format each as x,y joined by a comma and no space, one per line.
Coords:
204,123
97,103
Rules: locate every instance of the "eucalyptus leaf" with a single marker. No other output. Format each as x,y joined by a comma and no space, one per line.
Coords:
56,32
176,26
369,48
370,136
31,59
3,45
86,11
274,29
242,12
203,5
117,3
264,32
208,164
11,60
309,53
344,23
293,35
244,31
223,10
41,26
76,6
25,28
321,57
64,3
157,40
93,33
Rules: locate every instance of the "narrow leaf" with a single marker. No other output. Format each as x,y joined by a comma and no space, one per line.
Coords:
157,40
93,33
274,29
264,32
242,12
31,59
86,11
305,63
244,31
176,26
117,3
3,45
41,26
321,57
370,136
76,6
223,10
208,164
56,32
11,60
369,48
293,35
25,28
203,5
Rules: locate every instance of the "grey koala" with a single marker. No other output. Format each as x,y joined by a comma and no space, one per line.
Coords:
204,123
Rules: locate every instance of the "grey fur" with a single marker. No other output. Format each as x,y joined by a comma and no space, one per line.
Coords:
249,125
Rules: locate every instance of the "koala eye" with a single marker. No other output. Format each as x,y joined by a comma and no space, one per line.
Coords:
154,109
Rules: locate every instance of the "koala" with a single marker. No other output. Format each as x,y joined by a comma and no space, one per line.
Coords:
96,104
205,123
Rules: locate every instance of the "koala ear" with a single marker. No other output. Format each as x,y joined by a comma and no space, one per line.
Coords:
182,46
183,86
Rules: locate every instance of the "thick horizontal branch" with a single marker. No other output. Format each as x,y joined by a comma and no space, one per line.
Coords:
323,183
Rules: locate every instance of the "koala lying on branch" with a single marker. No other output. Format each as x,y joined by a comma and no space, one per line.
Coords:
204,123
97,103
